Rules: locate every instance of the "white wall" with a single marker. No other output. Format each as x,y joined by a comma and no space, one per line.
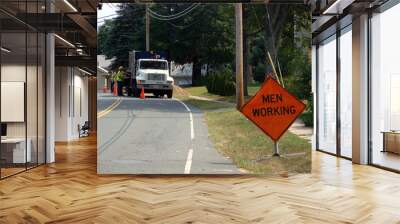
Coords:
80,109
71,102
12,73
62,81
33,125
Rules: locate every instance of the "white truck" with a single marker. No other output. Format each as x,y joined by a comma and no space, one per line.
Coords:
151,72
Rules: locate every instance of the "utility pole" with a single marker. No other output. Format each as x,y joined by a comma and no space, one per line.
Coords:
239,55
147,30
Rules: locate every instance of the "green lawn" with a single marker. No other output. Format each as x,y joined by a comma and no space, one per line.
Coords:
235,136
250,149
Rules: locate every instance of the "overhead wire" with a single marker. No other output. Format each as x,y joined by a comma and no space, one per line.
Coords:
170,16
158,16
115,14
183,26
104,18
194,22
173,17
111,5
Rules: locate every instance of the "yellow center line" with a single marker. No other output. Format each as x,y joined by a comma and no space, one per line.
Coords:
109,109
113,103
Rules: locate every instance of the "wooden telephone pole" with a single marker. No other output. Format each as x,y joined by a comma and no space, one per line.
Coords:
239,55
147,30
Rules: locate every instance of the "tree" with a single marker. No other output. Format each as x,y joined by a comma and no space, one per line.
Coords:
286,35
251,28
206,35
202,37
102,36
123,34
294,54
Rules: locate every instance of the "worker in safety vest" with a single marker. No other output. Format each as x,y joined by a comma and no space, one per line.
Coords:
128,83
119,78
112,77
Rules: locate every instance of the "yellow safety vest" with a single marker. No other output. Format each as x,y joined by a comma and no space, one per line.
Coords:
119,76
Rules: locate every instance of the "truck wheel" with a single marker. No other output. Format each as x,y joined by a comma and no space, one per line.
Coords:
169,94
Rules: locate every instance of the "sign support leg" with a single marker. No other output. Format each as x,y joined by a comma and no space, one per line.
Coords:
276,149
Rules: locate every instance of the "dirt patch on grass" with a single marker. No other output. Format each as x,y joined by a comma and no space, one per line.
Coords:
179,91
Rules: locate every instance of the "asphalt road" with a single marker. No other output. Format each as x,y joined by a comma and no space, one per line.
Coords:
155,136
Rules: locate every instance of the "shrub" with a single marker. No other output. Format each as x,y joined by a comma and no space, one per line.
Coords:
307,116
259,72
220,82
299,85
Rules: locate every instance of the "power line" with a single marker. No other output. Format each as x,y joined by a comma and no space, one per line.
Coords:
111,5
173,17
104,18
115,14
177,14
182,27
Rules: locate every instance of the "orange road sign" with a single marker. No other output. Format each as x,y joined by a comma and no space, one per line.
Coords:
273,109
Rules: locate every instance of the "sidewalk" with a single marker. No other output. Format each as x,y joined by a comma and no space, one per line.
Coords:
300,130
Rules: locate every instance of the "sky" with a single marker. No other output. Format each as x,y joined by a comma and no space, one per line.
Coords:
109,10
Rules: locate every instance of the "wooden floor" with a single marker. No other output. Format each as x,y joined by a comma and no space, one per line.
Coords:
70,191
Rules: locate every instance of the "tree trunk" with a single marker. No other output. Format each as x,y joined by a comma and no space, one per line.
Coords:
269,49
274,23
196,72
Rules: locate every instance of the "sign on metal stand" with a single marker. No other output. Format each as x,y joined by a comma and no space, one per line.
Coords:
273,109
276,149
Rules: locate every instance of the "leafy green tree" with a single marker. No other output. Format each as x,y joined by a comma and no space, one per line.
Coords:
202,37
102,36
295,50
287,38
123,34
206,36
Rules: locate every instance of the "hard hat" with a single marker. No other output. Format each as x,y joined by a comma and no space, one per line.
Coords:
121,67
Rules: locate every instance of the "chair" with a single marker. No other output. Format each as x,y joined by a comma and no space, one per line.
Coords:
84,130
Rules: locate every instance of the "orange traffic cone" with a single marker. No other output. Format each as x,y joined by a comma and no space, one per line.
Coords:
115,89
142,94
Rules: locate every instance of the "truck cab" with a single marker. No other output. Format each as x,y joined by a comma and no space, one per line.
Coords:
152,73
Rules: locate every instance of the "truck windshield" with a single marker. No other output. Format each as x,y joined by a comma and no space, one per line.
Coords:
153,65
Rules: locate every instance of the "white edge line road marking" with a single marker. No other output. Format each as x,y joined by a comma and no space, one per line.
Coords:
190,154
191,127
191,119
189,161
